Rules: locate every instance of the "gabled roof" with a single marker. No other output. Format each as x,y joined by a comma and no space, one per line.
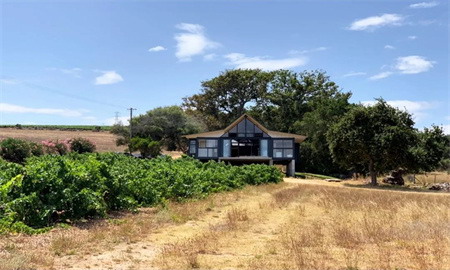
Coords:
271,133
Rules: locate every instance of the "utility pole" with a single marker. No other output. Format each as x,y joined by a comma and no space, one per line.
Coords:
116,121
131,118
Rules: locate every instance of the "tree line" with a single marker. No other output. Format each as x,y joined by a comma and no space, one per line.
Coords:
343,137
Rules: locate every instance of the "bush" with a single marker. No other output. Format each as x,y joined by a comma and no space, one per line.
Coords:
145,146
36,149
56,147
82,145
15,150
52,188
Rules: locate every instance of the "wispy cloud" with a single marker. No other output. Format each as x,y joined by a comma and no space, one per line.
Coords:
353,74
209,57
157,49
374,22
318,49
417,108
72,71
75,72
108,77
424,4
9,81
412,37
12,108
381,75
192,41
413,64
389,47
446,129
240,60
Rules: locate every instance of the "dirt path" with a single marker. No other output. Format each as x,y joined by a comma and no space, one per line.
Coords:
142,253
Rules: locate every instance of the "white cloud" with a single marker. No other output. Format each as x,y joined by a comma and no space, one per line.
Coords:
381,75
108,77
157,49
209,57
239,60
192,42
389,47
122,119
9,81
11,108
416,108
371,23
424,4
413,64
446,129
353,74
318,49
412,37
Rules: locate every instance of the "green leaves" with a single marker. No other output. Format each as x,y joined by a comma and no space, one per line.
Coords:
50,189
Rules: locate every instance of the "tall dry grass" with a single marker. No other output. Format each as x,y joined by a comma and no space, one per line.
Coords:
337,228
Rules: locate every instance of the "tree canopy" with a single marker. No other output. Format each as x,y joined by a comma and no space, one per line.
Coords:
164,124
380,138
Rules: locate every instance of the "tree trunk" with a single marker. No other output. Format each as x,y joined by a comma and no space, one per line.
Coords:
373,174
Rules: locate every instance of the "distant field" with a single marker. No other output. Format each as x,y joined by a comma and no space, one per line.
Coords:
104,140
59,127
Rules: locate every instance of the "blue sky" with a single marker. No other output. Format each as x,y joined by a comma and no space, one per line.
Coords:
79,62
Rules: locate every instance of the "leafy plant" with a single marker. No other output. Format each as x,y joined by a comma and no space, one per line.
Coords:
15,150
82,145
52,188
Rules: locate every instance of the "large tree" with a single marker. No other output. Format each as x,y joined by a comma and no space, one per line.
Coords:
290,95
380,138
226,97
315,155
163,124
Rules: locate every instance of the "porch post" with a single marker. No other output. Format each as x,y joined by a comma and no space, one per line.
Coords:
291,168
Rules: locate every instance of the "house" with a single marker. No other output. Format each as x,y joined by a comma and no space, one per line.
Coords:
247,141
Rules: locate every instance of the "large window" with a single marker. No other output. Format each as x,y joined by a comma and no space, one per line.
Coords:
283,148
192,146
207,148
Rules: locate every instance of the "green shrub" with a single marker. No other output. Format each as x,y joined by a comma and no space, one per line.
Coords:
82,145
146,146
15,150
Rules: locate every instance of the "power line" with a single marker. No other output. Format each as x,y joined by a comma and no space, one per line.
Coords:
54,91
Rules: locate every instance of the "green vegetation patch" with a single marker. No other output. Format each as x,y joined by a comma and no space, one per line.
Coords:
51,189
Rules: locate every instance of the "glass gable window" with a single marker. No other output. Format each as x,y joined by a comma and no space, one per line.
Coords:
245,128
283,148
207,148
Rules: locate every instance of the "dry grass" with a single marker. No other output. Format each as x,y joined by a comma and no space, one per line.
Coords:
363,229
105,141
430,178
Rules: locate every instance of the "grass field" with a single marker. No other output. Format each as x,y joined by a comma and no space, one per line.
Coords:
299,224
